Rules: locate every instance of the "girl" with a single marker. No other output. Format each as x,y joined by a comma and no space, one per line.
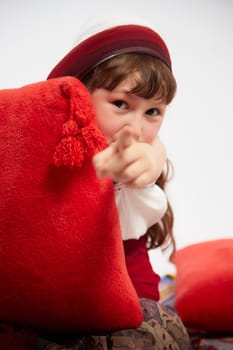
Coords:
127,69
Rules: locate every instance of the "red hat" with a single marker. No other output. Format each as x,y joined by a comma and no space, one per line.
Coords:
119,39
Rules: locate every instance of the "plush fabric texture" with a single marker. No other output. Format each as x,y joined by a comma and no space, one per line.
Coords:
204,285
62,264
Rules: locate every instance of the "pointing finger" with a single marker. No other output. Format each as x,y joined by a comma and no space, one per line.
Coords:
126,138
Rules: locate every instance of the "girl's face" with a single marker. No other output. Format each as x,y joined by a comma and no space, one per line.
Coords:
118,108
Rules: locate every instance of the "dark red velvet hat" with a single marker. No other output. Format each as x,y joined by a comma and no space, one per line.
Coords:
129,38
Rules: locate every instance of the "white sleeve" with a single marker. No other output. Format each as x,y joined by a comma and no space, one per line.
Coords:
139,208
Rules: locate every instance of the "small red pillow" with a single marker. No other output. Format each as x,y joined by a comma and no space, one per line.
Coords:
204,285
62,264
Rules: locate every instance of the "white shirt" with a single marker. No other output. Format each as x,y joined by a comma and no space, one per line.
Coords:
139,208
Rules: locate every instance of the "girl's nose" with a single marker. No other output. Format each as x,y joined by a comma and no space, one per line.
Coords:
136,125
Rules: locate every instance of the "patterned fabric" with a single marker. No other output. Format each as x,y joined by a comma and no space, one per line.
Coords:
161,329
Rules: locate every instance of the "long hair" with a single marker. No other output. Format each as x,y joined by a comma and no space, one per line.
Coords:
154,79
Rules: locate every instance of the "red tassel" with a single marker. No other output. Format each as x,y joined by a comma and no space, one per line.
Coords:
70,128
69,151
80,136
93,140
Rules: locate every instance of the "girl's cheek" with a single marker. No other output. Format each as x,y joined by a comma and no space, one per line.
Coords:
151,134
106,129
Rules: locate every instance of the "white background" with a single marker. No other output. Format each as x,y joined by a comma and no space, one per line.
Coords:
35,35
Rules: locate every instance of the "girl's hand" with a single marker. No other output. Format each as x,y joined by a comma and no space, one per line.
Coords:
128,161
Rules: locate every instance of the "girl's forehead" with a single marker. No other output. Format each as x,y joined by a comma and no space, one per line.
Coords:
130,82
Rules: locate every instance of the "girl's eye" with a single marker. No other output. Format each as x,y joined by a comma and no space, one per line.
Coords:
153,112
120,104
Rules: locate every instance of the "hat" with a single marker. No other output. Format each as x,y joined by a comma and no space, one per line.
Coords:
109,42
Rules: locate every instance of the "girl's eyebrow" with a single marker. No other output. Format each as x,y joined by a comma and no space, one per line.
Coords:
128,92
123,91
159,100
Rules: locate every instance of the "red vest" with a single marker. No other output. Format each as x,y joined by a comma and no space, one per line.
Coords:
144,279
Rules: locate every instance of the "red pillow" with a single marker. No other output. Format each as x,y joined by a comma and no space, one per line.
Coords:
204,285
62,263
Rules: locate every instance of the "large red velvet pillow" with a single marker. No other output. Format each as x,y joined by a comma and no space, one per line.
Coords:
62,264
204,285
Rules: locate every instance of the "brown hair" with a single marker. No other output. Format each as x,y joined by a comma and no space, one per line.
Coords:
155,78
